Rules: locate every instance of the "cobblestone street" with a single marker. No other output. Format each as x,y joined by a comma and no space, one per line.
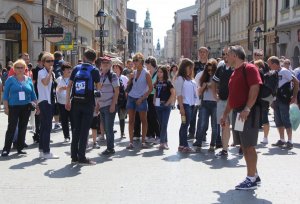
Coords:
147,176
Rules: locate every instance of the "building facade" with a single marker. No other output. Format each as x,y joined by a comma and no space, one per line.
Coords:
288,30
12,43
225,23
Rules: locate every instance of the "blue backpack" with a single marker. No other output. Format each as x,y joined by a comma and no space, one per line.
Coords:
83,86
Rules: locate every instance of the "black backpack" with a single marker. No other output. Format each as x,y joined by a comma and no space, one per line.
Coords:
268,90
122,99
285,93
270,85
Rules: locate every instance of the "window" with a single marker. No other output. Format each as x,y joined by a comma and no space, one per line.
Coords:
297,2
146,40
286,4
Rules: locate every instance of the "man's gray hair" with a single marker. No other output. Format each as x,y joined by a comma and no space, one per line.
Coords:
238,51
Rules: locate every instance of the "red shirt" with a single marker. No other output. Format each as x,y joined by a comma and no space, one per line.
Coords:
239,87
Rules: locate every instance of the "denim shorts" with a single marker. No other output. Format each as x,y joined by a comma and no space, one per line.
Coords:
131,104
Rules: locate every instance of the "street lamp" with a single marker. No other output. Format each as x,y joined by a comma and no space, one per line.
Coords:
101,17
258,35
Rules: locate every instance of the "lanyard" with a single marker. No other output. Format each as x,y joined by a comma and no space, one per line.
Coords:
66,81
159,88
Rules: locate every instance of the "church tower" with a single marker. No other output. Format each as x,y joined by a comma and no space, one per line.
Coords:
157,50
147,37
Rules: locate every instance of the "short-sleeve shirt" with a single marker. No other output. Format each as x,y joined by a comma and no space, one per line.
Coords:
222,76
107,89
240,83
95,76
284,76
199,66
163,90
46,93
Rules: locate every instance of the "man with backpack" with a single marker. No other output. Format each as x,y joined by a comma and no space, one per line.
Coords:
244,86
108,101
81,82
285,96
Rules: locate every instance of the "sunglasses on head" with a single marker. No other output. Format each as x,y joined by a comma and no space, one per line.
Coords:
49,61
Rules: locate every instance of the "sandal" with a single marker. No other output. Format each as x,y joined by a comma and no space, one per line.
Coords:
130,146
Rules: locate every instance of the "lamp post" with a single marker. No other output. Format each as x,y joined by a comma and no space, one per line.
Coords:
258,34
101,17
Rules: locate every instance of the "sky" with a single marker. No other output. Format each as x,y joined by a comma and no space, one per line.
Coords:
161,14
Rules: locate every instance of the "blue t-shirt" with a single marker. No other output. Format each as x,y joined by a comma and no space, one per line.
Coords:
19,93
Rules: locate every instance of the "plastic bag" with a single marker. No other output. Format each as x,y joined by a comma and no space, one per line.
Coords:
294,116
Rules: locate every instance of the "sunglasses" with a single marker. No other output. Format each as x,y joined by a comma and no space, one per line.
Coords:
49,61
135,60
19,67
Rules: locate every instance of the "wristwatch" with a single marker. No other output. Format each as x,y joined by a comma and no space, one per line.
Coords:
247,109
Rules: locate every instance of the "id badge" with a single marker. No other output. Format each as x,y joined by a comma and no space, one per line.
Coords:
157,102
21,95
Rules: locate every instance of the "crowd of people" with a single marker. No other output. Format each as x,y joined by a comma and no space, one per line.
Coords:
228,92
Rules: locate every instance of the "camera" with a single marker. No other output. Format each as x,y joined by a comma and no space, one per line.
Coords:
97,94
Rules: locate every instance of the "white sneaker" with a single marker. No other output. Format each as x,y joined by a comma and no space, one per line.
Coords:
41,155
150,140
156,141
50,156
264,141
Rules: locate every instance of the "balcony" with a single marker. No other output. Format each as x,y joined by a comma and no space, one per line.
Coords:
58,7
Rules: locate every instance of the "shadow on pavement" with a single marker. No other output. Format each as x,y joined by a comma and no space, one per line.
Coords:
69,170
156,152
235,196
279,151
23,165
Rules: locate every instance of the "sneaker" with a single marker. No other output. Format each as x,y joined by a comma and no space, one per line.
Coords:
123,135
67,139
4,153
41,154
130,146
289,145
50,156
86,162
211,149
195,144
188,150
96,146
74,161
108,152
222,153
166,147
21,152
157,140
279,143
258,180
247,184
150,140
264,141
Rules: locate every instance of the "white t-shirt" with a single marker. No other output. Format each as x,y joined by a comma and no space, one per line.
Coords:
61,94
187,89
284,76
44,91
197,79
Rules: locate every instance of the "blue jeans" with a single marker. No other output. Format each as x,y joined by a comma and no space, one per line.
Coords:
184,126
46,126
82,116
108,122
192,128
208,108
163,114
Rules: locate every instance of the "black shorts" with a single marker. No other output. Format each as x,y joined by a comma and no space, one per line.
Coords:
55,109
249,136
95,123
